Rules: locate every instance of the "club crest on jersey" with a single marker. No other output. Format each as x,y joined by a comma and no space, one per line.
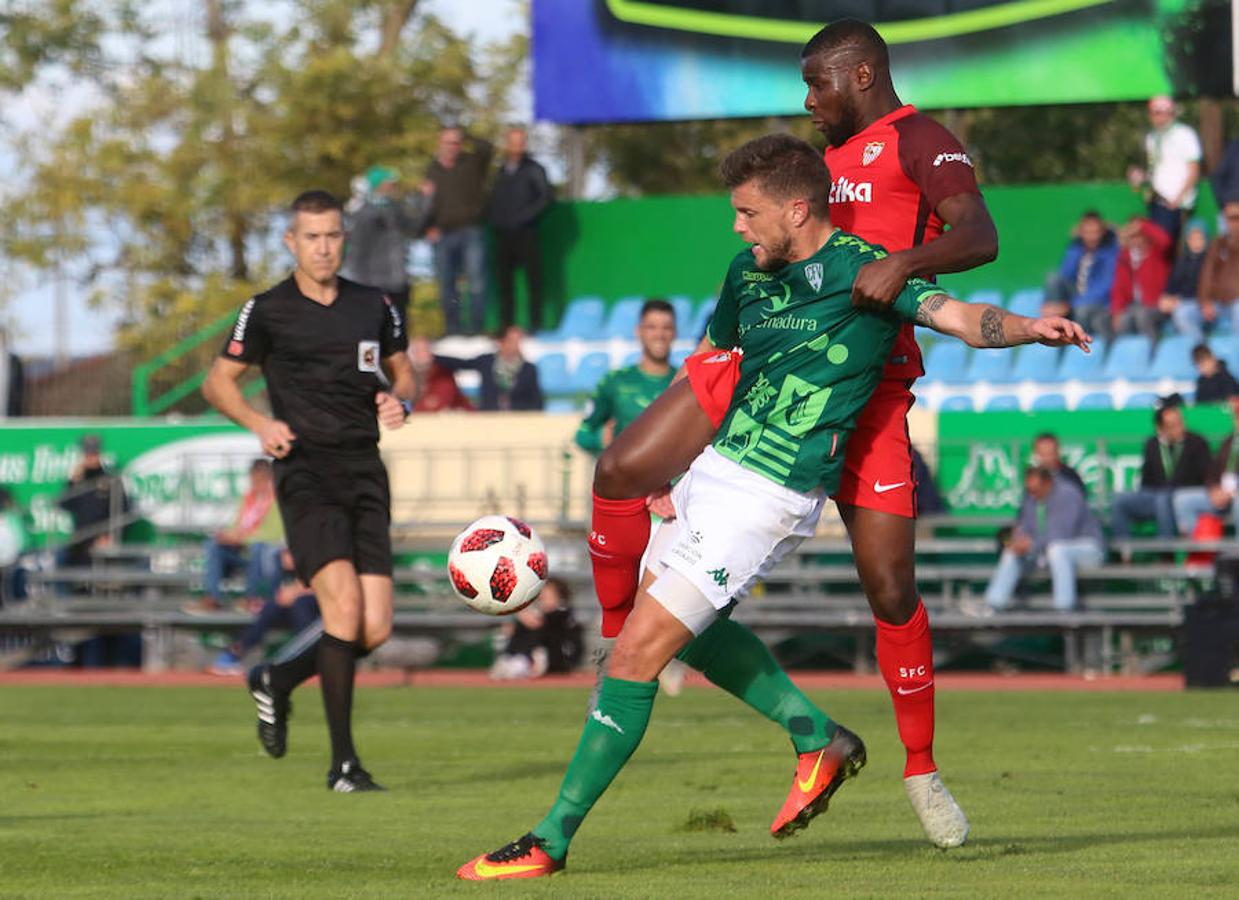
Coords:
814,272
367,356
872,151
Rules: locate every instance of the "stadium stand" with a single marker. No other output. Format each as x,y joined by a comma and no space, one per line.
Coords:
1026,302
590,370
1128,358
582,319
993,366
622,320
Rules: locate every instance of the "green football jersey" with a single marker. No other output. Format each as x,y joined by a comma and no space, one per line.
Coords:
621,396
811,359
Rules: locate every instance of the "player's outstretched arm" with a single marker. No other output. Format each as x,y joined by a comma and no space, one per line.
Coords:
223,391
983,325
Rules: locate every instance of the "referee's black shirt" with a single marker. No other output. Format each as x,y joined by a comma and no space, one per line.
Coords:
321,362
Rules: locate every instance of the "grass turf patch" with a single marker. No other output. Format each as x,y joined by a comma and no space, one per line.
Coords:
160,792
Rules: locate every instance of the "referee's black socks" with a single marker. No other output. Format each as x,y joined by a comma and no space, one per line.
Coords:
337,664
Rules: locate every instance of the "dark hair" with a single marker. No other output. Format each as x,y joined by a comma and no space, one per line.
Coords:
1164,405
849,34
316,201
1091,214
1046,436
1201,351
1040,472
262,464
656,304
6,498
784,166
561,588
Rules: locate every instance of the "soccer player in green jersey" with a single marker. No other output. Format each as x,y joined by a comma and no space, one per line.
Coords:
623,394
811,361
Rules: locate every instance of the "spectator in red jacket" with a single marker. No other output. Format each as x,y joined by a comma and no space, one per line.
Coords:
1140,279
437,384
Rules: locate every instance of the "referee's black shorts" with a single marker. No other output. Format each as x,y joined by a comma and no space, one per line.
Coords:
336,505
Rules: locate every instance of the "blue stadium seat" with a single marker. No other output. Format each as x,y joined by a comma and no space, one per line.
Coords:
956,404
1141,400
1036,362
1096,400
1075,363
590,371
553,373
623,318
1129,358
700,319
992,297
561,405
678,357
1173,358
1049,402
683,314
993,366
1226,348
582,319
1027,302
1003,403
947,361
631,359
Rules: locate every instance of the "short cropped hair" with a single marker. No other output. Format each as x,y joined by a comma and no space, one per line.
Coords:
784,166
847,33
316,201
1046,436
1201,351
657,304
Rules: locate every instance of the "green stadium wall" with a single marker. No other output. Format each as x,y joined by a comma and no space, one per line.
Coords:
680,245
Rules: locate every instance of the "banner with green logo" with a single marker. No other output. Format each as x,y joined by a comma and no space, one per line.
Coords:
184,477
982,456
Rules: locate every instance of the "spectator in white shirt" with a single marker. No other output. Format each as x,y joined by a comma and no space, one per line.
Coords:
1173,173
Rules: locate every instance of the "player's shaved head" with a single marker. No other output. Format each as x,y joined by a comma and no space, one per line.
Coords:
784,167
855,40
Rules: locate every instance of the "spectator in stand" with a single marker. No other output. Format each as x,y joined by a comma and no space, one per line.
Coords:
1215,383
254,541
12,379
1047,454
520,195
1140,279
1081,286
436,385
509,381
96,501
624,393
544,638
1221,484
380,231
1173,458
14,541
293,607
1173,151
1179,300
459,177
1219,274
1055,528
1225,177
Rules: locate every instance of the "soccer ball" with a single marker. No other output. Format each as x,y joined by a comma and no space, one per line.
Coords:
497,565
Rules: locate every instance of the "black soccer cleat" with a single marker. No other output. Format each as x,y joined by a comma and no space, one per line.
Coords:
351,778
274,708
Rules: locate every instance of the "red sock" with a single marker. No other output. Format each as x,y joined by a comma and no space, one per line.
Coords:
906,658
619,532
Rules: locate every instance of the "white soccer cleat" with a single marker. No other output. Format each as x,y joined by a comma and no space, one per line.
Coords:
944,822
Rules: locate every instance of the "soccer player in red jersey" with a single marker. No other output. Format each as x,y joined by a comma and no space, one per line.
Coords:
898,180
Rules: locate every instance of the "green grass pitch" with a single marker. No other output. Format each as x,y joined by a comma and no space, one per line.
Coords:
164,792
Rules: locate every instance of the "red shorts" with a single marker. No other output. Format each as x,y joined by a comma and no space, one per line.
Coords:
877,464
713,376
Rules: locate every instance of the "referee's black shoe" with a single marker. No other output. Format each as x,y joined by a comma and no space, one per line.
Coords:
274,708
351,778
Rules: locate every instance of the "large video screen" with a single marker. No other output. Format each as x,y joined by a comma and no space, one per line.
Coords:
643,60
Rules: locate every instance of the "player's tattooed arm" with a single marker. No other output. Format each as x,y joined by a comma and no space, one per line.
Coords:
983,325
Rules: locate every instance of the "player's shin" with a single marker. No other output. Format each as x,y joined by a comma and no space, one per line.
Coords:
906,660
619,532
611,734
737,660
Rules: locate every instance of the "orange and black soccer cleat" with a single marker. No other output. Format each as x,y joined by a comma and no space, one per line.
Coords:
523,858
818,775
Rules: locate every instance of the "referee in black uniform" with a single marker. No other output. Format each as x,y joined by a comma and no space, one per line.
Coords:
321,341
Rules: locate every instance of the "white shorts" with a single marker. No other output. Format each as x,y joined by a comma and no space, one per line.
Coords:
734,526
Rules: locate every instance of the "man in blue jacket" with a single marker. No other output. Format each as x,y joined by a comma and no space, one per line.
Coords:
1081,286
1055,526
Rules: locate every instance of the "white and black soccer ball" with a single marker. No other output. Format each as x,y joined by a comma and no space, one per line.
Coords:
497,565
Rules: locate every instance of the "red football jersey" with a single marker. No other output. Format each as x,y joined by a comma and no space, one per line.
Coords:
886,183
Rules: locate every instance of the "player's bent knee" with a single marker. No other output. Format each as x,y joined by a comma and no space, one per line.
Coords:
611,477
376,636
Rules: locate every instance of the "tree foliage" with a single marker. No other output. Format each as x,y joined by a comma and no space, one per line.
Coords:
166,194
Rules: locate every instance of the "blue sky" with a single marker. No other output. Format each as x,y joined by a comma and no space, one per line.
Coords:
29,311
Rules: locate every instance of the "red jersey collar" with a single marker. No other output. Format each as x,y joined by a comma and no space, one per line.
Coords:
906,110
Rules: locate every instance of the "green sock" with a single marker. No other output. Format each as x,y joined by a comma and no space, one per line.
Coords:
736,660
611,734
